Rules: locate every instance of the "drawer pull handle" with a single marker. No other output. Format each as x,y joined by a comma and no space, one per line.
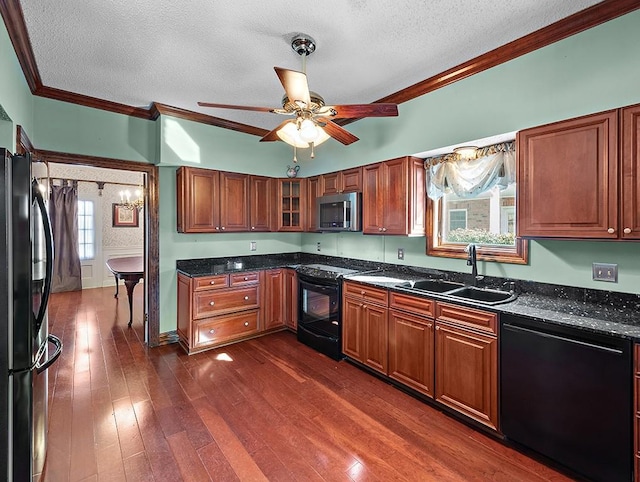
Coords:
211,303
611,230
246,323
246,298
212,282
246,278
212,331
627,230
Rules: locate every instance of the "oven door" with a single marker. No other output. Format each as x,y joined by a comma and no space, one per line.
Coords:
319,307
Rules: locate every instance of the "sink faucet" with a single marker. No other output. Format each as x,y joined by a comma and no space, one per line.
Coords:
472,261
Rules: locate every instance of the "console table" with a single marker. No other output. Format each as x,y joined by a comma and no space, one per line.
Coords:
131,270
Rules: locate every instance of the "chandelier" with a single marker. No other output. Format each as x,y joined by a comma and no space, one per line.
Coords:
135,201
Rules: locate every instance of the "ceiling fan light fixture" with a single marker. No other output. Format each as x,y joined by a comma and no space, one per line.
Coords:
290,134
308,131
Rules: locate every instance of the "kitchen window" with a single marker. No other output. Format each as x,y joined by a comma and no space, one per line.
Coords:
473,201
86,230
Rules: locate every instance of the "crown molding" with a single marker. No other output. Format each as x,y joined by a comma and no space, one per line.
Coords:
163,109
576,23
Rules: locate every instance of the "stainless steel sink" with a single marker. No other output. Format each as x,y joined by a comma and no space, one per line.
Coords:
483,295
434,285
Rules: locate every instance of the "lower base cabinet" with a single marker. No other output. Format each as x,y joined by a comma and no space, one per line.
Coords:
411,351
466,373
272,303
291,298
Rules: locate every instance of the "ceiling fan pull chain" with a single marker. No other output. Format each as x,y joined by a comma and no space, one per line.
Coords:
313,154
295,158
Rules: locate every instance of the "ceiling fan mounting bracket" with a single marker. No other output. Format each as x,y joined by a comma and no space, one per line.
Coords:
303,44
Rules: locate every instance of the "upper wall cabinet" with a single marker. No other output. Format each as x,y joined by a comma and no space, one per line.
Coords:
349,180
292,202
393,197
630,184
260,202
575,180
211,201
313,191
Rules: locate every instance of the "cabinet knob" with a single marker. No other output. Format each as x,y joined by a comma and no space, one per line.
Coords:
212,282
362,292
223,228
437,327
380,229
246,298
364,307
361,305
246,278
611,230
253,227
246,323
217,228
627,230
384,229
212,331
211,303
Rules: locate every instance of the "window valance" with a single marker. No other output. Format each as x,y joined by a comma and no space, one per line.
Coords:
494,165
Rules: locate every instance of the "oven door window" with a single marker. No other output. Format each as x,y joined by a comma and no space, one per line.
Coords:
319,308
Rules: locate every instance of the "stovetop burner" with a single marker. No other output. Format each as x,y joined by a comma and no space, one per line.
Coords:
325,271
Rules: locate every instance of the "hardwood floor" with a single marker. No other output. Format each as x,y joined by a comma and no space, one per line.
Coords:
265,409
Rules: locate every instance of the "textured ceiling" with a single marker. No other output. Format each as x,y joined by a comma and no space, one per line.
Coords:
223,51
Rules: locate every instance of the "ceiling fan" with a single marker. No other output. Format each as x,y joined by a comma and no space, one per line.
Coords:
312,121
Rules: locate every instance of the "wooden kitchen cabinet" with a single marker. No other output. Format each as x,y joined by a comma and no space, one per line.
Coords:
273,301
630,184
260,203
411,342
313,191
466,362
291,204
579,179
348,180
217,310
393,197
365,332
210,201
291,299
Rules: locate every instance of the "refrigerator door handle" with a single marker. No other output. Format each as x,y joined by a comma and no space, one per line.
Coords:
58,344
48,241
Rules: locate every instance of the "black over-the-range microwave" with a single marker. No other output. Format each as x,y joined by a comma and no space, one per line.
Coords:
339,212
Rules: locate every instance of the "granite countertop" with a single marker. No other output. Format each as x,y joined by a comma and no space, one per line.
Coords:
598,311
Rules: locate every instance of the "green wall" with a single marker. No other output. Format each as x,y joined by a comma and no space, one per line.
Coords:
596,70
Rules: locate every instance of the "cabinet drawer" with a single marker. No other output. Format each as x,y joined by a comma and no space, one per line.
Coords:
225,328
240,279
208,303
211,282
460,315
413,304
366,293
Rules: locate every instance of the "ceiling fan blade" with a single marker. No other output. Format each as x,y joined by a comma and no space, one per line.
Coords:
295,85
272,135
237,107
338,133
354,111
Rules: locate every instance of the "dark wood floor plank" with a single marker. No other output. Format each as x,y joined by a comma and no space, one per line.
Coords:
188,460
265,409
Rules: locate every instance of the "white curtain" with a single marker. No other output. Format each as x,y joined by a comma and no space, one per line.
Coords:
469,178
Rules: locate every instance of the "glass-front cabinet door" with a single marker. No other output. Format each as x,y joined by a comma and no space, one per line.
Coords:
291,204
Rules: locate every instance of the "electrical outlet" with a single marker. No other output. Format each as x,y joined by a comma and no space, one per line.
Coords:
400,253
605,272
318,246
253,246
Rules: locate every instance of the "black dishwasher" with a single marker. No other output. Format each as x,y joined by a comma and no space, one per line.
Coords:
567,394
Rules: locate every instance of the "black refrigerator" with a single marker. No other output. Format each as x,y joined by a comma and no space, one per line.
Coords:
26,347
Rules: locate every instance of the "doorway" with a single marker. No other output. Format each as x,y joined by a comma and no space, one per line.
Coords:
151,222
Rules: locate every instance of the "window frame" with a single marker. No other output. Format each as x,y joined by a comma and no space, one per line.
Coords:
518,254
93,230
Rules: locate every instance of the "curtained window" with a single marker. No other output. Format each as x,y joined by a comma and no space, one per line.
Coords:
473,201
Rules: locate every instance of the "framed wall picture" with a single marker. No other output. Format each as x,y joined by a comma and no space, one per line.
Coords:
124,217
